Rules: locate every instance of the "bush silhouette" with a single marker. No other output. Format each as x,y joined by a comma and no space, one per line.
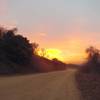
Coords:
93,60
15,49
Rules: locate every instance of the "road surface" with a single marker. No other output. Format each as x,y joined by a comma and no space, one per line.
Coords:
59,85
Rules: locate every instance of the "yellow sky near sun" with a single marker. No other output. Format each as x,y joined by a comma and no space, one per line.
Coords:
74,52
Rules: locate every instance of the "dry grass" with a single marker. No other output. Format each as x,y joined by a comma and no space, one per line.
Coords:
89,85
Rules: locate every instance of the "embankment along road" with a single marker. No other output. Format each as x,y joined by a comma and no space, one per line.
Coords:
59,85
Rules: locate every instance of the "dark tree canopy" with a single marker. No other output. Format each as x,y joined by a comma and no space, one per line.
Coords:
15,48
93,60
93,54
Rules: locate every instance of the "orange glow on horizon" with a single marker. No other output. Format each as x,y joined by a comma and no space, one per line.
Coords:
67,56
72,52
75,51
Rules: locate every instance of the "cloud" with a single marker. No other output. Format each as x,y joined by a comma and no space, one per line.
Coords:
42,34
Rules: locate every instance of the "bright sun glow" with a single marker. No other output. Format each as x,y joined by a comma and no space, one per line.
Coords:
51,53
74,52
54,53
68,56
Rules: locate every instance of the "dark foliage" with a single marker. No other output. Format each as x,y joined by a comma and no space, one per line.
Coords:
93,60
15,50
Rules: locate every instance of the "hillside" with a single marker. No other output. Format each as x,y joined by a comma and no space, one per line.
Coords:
42,64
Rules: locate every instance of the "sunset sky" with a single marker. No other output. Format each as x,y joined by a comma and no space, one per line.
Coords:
69,26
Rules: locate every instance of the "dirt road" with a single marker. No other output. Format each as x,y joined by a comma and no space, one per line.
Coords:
49,86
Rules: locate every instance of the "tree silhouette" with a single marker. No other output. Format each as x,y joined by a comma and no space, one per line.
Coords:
93,54
93,60
35,47
15,49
